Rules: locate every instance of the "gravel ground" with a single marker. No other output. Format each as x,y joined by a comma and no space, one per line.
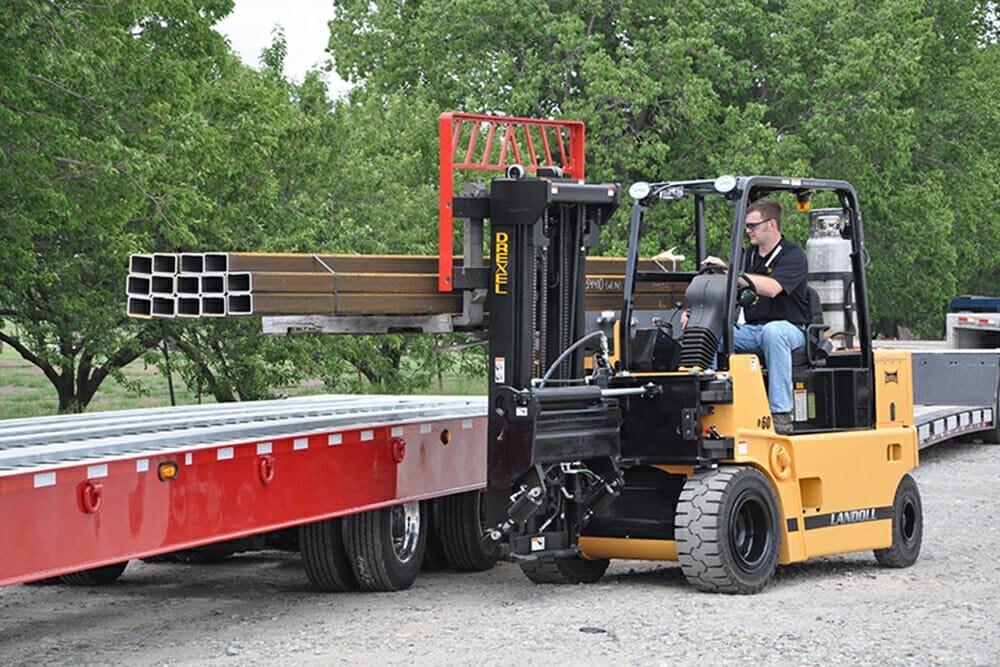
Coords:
258,609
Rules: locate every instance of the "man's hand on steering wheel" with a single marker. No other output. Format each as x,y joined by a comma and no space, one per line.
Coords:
712,264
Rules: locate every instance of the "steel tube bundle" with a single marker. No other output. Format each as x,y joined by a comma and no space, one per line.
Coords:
219,284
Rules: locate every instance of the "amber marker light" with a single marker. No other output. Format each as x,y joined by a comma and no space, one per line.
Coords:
168,471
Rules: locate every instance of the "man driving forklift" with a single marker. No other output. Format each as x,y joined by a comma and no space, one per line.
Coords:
776,320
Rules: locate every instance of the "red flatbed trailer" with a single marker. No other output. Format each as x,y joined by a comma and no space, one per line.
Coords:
99,489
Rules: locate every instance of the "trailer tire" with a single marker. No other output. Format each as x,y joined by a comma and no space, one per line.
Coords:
728,530
435,559
325,558
386,546
160,558
566,570
907,527
459,526
206,555
98,576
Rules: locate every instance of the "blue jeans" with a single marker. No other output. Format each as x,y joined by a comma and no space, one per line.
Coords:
776,340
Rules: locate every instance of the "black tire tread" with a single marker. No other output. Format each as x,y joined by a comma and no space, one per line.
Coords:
98,576
897,556
460,532
570,570
324,557
365,537
700,530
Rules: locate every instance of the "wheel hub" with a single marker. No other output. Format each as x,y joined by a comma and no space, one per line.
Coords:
749,532
405,530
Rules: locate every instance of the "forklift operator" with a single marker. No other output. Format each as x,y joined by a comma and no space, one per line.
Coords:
777,318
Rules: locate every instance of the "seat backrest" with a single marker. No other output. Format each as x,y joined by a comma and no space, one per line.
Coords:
815,306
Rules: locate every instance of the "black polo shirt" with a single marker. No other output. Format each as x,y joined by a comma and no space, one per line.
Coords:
787,264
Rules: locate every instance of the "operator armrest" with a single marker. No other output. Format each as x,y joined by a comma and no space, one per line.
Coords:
818,346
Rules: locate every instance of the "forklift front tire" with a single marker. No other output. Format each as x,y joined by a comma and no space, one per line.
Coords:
728,530
566,570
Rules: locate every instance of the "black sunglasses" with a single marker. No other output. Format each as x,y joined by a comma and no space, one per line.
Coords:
755,225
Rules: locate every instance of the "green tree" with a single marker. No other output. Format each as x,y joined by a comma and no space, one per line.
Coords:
90,99
896,96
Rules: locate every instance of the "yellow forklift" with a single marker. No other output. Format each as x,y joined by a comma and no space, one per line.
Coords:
623,435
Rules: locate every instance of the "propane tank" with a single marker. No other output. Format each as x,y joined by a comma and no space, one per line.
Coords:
829,256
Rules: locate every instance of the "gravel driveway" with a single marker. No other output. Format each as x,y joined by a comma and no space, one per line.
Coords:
257,608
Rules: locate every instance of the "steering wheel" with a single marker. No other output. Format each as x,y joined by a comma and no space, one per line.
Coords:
748,293
710,268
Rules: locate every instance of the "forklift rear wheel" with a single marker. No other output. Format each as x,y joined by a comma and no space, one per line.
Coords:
325,558
728,531
568,570
907,527
460,523
386,546
98,576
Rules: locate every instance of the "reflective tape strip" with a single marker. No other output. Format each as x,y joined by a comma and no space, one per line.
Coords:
300,443
44,479
367,435
425,429
98,471
188,459
397,431
142,465
224,453
466,423
925,431
334,439
264,448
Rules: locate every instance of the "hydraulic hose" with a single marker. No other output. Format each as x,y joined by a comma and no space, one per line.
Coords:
569,350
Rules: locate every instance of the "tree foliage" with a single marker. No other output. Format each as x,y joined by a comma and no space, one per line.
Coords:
897,96
131,126
91,98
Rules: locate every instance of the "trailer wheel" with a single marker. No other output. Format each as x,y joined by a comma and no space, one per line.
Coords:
98,576
907,527
386,546
434,556
728,530
459,525
567,570
325,559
